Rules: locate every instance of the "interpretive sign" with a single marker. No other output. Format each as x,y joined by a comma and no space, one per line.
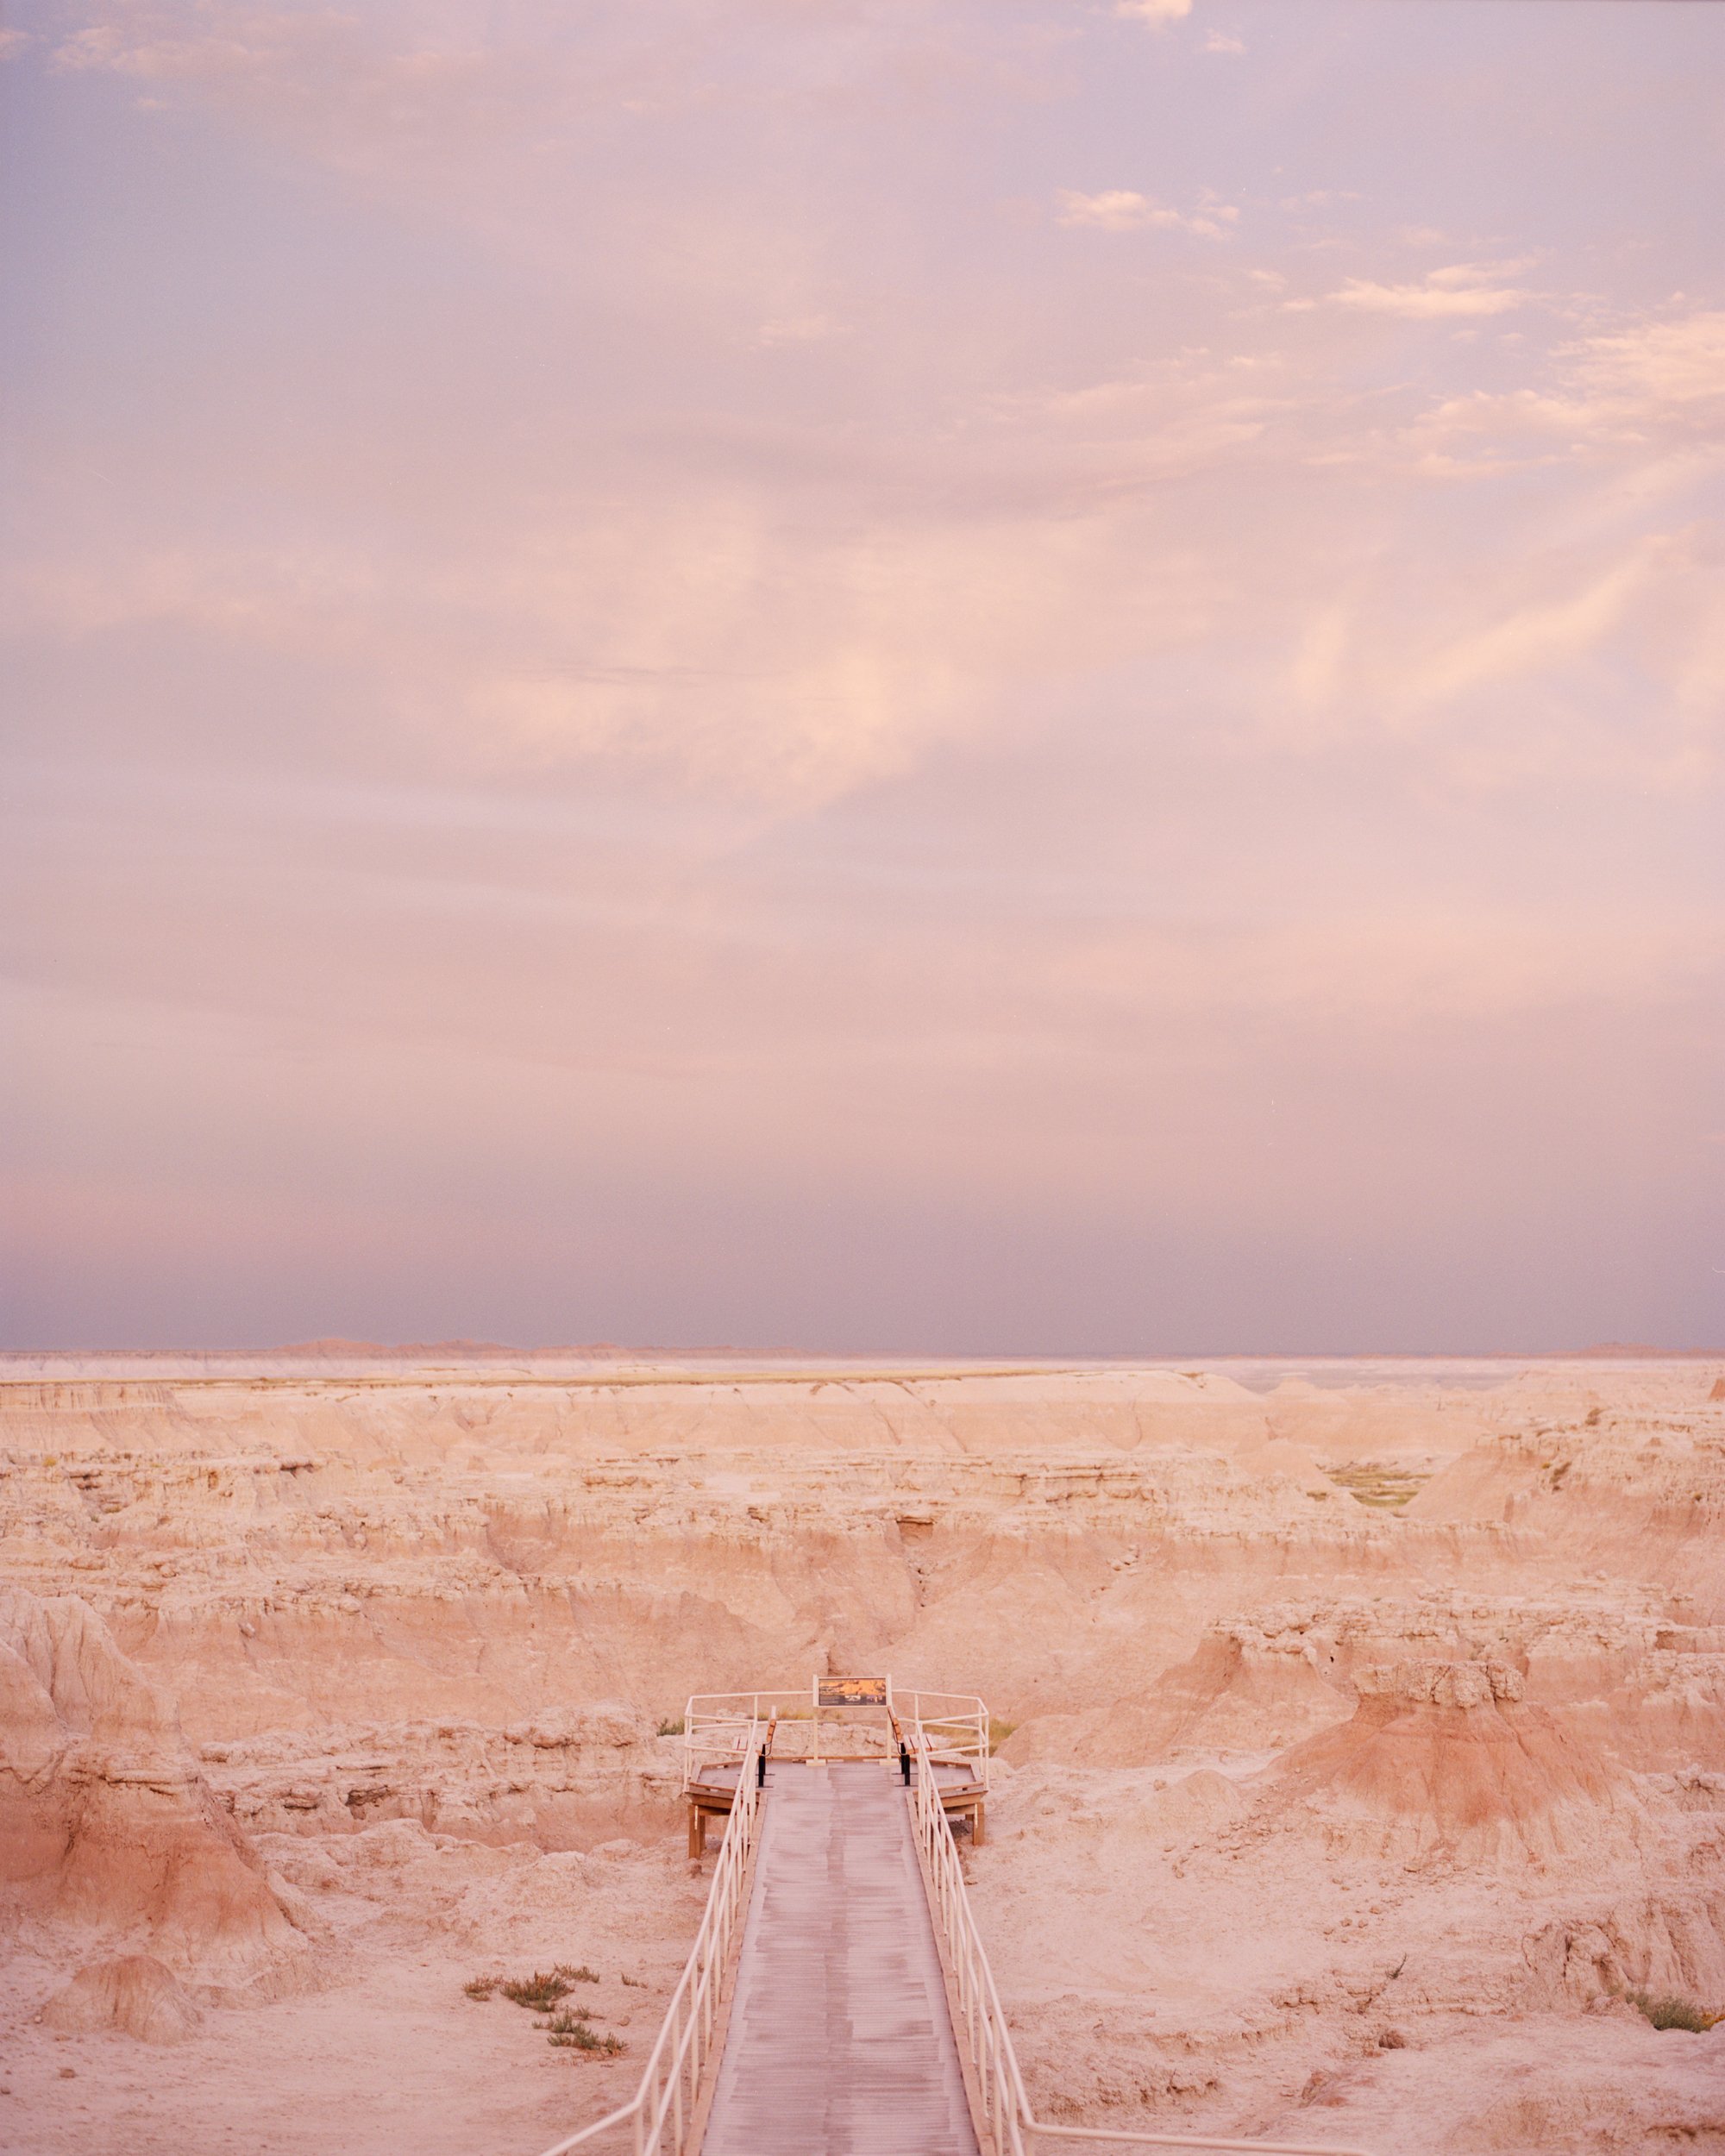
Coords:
850,1691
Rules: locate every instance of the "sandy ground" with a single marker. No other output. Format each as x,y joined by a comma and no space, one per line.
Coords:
388,2053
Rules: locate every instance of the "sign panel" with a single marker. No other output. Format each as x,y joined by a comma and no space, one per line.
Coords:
850,1691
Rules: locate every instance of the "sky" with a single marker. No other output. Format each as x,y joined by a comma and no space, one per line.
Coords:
872,675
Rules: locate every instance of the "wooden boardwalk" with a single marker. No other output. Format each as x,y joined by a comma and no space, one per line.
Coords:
840,2040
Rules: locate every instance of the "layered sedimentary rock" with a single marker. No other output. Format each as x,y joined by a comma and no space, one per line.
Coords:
106,1824
1449,1756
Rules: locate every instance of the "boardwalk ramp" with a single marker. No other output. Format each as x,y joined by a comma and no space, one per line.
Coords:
838,1999
840,2037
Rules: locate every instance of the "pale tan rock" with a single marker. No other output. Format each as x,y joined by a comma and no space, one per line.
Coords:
1242,1690
106,1823
133,1993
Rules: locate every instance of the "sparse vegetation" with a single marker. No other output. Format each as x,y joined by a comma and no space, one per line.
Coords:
572,2031
541,1991
674,1728
1371,1482
635,1983
998,1733
1671,2010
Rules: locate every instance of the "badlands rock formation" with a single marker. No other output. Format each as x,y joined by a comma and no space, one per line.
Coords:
1368,1748
106,1823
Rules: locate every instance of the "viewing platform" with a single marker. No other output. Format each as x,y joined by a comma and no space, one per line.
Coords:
838,1719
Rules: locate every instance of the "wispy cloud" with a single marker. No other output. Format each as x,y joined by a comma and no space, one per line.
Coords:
1657,386
1123,209
1670,366
1155,12
1535,637
1463,289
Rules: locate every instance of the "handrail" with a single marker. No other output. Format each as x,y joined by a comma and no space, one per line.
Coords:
1011,2128
715,1726
662,2110
959,1739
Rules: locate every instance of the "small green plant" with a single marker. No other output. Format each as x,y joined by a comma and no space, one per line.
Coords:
672,1728
1669,2010
576,1973
541,1991
999,1731
571,2032
481,1987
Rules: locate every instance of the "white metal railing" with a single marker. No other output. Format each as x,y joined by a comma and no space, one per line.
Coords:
716,1725
955,1726
661,2111
1010,2127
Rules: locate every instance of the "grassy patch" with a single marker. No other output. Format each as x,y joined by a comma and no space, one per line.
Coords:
674,1728
1670,2010
1371,1482
998,1733
481,1987
571,2032
541,1991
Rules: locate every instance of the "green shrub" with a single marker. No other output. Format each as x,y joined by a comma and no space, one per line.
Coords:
572,2033
673,1728
1669,2010
541,1991
481,1987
